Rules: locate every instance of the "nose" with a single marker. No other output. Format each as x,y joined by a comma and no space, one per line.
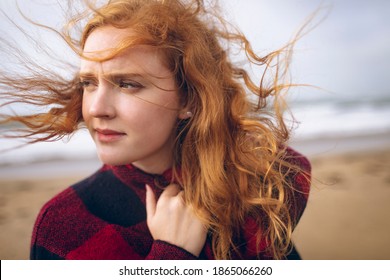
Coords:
102,103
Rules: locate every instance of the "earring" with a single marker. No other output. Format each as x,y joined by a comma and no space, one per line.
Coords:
189,114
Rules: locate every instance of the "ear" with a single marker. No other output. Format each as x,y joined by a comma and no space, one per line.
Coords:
185,114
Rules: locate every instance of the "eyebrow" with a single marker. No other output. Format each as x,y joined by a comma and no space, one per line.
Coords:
112,75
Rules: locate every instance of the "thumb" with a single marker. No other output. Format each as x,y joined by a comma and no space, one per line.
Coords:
150,203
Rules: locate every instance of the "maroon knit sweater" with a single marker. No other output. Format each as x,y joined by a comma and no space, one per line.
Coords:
104,217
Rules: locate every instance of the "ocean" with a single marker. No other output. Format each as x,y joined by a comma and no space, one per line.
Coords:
342,117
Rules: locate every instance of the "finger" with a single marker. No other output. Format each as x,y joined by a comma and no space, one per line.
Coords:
150,202
171,191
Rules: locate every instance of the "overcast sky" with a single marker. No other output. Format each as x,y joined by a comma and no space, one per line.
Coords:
348,53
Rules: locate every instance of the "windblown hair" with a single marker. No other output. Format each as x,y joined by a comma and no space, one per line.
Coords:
231,152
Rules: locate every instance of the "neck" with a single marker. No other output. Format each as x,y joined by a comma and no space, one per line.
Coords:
158,163
153,168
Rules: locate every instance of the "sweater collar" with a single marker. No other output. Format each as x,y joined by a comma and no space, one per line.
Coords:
129,174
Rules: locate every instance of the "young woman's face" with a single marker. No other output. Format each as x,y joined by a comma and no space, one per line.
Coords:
130,103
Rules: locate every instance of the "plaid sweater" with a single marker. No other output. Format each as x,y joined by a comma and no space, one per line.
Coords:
104,217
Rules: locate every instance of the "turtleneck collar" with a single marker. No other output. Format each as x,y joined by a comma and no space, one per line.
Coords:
129,174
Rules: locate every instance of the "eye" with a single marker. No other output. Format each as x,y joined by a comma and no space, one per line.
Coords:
84,84
87,84
131,85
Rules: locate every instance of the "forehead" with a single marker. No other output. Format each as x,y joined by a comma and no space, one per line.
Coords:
103,41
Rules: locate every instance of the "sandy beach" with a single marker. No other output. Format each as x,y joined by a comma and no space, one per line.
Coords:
346,217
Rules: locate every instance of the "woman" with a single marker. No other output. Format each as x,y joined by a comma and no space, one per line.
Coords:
192,169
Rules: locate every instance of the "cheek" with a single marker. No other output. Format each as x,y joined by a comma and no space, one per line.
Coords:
85,108
148,117
148,121
147,111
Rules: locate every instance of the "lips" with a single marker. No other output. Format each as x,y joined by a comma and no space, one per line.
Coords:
108,135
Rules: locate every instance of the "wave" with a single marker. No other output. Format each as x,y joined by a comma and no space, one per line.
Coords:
335,118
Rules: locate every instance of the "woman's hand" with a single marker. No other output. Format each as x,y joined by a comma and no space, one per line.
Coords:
170,220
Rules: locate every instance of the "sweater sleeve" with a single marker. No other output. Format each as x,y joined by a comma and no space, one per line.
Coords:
162,250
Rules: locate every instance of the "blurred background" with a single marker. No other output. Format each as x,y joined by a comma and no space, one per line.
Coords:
343,123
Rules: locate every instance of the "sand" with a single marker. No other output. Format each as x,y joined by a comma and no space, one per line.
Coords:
347,216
